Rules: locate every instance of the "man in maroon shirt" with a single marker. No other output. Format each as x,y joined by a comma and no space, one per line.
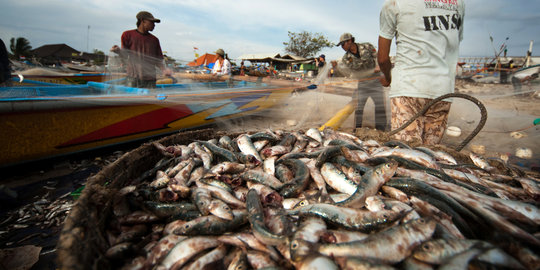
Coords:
141,53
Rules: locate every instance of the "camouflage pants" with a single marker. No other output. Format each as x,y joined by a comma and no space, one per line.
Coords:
428,128
370,89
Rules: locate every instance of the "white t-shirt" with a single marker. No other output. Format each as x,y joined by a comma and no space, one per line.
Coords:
428,33
222,70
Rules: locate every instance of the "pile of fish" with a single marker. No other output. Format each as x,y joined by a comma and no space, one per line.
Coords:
323,200
43,214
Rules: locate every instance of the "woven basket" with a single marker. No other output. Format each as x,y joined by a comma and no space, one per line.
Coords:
83,243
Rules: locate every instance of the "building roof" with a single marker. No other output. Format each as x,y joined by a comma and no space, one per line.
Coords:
288,58
55,50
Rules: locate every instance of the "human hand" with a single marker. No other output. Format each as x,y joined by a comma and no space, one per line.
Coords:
115,49
383,81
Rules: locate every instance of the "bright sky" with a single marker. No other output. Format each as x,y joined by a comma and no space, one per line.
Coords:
248,26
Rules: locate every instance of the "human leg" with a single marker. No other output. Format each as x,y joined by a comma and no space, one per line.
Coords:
360,104
516,83
435,121
377,95
403,109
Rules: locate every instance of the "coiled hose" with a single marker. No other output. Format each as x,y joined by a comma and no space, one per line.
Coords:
483,119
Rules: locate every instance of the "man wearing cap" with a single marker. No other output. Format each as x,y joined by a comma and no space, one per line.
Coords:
222,66
427,35
319,62
359,63
141,53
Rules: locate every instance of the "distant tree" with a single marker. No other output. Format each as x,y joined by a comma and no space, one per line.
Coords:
101,59
20,47
306,44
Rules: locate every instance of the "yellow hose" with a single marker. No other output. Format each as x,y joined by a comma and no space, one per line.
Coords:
338,119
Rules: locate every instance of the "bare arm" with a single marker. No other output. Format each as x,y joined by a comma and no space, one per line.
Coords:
383,58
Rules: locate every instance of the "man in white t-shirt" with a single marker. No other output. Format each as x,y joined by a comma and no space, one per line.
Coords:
428,33
222,66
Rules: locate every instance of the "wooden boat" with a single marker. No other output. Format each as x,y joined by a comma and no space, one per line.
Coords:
43,122
527,71
68,78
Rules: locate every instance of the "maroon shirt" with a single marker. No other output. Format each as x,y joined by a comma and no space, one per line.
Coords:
144,54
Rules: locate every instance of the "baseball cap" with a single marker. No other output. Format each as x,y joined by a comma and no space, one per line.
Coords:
220,52
322,56
145,15
344,37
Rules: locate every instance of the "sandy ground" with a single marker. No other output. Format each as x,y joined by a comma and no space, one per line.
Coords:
506,113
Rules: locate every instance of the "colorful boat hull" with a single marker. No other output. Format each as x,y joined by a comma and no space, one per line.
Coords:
38,127
75,78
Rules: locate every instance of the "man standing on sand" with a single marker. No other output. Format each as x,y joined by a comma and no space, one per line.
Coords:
142,53
359,63
428,34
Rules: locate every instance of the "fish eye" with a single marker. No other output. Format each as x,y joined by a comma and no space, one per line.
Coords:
294,244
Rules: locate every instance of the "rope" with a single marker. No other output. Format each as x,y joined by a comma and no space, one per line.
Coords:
483,113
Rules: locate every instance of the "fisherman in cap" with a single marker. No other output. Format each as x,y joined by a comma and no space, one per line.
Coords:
141,52
358,63
222,66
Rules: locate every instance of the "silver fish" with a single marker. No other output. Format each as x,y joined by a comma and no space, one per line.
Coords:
256,219
336,179
208,258
269,165
161,181
186,249
262,177
481,162
410,154
220,209
310,231
315,134
239,261
258,259
317,262
247,148
389,246
370,184
495,219
349,218
341,236
162,248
